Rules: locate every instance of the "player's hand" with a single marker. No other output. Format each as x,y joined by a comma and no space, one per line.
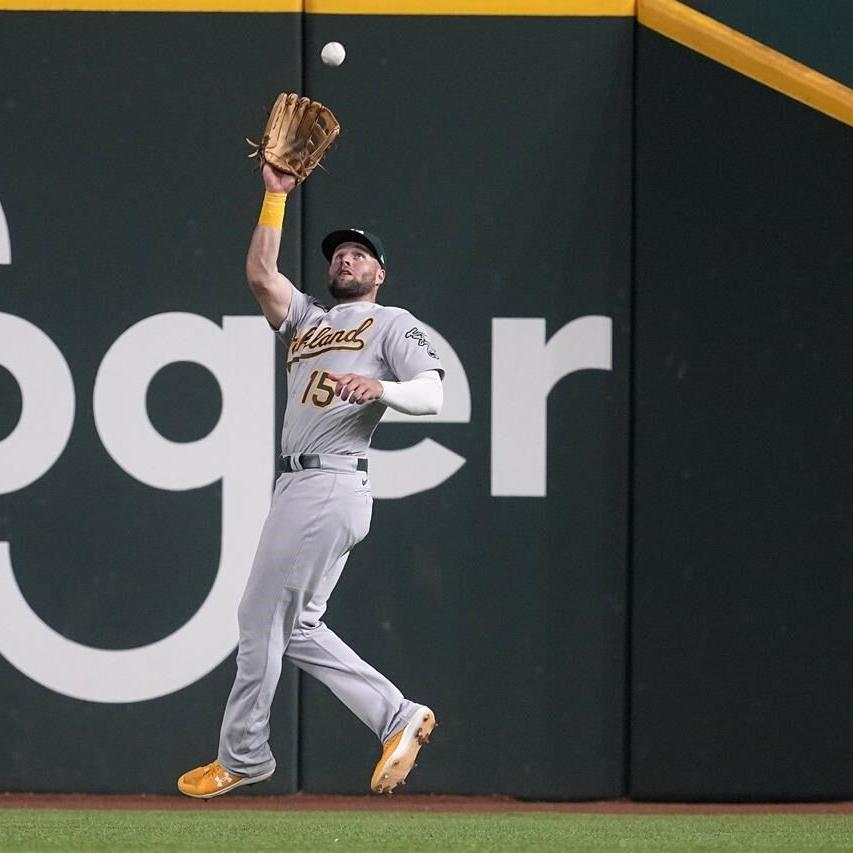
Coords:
355,387
276,181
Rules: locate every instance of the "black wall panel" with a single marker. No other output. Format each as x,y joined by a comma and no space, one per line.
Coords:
126,194
500,182
743,471
816,34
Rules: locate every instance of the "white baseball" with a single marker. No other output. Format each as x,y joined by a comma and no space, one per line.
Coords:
333,53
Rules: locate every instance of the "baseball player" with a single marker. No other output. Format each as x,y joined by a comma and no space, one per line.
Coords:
345,364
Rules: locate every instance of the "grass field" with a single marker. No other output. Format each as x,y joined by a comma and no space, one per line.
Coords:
48,829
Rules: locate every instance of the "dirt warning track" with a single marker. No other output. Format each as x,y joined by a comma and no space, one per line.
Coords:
401,803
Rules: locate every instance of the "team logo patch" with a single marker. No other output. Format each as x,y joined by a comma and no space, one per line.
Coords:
423,341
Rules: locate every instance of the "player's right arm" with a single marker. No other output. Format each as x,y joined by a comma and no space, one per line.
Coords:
272,290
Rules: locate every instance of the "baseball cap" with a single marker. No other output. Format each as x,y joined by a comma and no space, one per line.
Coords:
354,235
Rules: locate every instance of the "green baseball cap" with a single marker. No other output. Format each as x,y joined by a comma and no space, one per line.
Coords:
354,235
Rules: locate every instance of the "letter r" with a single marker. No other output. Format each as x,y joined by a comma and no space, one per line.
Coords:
524,370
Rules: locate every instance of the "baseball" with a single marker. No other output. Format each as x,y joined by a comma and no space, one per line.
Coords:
333,53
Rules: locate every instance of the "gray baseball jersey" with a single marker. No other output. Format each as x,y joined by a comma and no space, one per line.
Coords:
355,337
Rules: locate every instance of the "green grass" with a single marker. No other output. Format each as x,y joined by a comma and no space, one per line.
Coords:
48,829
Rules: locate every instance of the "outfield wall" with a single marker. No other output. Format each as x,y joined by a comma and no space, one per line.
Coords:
741,645
496,155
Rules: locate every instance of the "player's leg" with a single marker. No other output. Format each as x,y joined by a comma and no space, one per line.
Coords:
278,588
267,614
300,540
401,725
317,650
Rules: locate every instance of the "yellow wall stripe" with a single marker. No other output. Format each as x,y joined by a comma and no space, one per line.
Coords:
152,5
751,58
556,8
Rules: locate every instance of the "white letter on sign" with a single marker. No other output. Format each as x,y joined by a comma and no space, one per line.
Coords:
5,242
524,370
47,403
239,450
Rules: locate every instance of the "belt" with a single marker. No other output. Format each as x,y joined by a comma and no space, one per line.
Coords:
290,464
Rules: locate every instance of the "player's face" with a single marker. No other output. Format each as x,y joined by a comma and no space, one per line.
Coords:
354,273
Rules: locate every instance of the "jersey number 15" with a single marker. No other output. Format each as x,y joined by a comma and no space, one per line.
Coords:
323,388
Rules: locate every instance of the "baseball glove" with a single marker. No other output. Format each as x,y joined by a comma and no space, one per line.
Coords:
297,135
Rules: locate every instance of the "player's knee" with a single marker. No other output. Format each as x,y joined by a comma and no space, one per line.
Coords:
307,625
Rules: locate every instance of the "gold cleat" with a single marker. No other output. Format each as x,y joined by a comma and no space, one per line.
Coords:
213,780
401,750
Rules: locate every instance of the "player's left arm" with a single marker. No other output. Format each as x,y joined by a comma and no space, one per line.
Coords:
421,395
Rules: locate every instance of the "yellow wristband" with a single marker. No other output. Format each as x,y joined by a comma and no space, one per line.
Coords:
272,210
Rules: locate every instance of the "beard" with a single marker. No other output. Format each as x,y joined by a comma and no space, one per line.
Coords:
351,287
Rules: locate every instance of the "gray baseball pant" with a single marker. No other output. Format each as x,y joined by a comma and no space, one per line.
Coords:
317,516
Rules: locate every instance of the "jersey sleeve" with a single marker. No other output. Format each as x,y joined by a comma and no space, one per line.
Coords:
408,350
300,304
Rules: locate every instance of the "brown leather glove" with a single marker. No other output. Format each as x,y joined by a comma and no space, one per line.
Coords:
297,135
